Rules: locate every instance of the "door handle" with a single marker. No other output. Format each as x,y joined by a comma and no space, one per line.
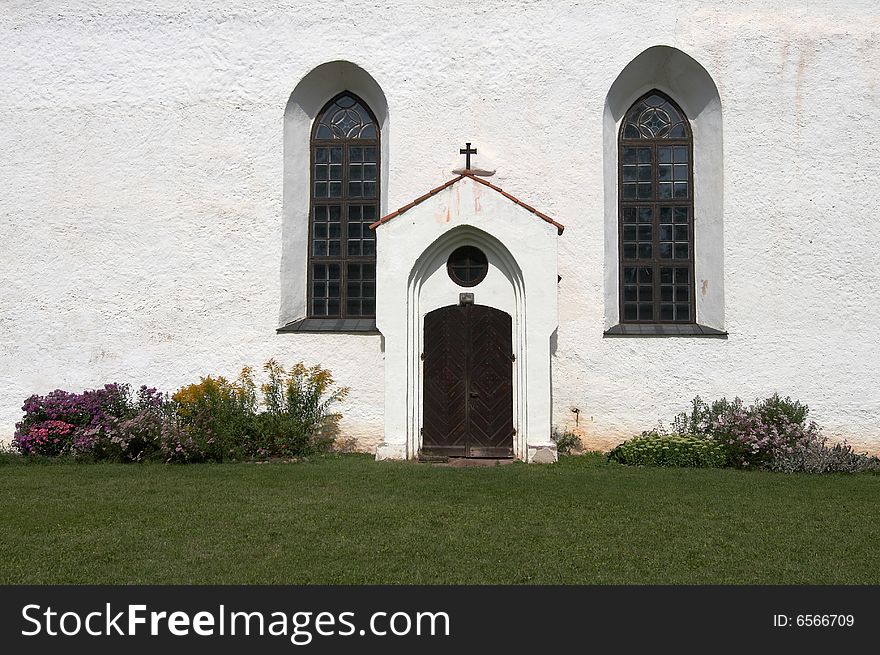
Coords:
474,394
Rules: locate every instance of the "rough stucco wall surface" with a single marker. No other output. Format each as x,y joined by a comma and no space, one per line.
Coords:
141,172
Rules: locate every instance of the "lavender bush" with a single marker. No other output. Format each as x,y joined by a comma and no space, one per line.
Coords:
819,457
750,436
772,433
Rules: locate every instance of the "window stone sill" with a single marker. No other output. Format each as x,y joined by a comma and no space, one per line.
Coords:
345,325
663,330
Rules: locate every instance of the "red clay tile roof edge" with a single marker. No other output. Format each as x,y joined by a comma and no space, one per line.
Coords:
440,188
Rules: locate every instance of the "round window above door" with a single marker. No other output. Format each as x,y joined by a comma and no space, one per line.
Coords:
467,266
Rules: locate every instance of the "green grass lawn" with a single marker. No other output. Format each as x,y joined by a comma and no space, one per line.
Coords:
348,519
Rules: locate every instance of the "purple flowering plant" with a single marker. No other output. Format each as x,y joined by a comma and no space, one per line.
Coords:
78,424
753,435
62,423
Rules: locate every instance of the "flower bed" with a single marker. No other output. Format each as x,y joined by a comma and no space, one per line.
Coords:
770,434
212,420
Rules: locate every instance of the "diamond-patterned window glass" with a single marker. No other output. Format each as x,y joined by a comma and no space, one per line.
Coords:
344,203
655,116
346,117
656,207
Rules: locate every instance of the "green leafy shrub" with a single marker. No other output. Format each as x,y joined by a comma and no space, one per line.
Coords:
217,417
703,417
567,442
223,419
298,417
655,449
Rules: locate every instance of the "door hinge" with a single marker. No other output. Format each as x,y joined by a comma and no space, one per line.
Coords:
422,356
514,430
512,357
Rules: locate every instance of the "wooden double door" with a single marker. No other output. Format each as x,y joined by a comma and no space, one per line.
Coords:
468,383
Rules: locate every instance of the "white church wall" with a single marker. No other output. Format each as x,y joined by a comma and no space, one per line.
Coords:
143,171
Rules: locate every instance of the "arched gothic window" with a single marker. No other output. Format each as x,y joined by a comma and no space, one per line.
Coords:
656,213
344,201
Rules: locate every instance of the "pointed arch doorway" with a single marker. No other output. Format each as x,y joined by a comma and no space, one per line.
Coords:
468,383
418,275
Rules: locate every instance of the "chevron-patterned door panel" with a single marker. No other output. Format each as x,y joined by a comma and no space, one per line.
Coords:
490,388
444,413
468,390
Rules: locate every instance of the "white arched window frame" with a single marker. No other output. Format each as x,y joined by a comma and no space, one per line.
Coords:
678,76
310,96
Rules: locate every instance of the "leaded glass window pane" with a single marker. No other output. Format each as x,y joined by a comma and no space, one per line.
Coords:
346,117
655,117
656,213
361,289
344,203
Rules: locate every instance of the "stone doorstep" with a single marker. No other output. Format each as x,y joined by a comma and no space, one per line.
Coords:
543,455
464,462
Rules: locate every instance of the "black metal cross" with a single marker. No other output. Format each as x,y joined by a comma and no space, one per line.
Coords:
467,151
